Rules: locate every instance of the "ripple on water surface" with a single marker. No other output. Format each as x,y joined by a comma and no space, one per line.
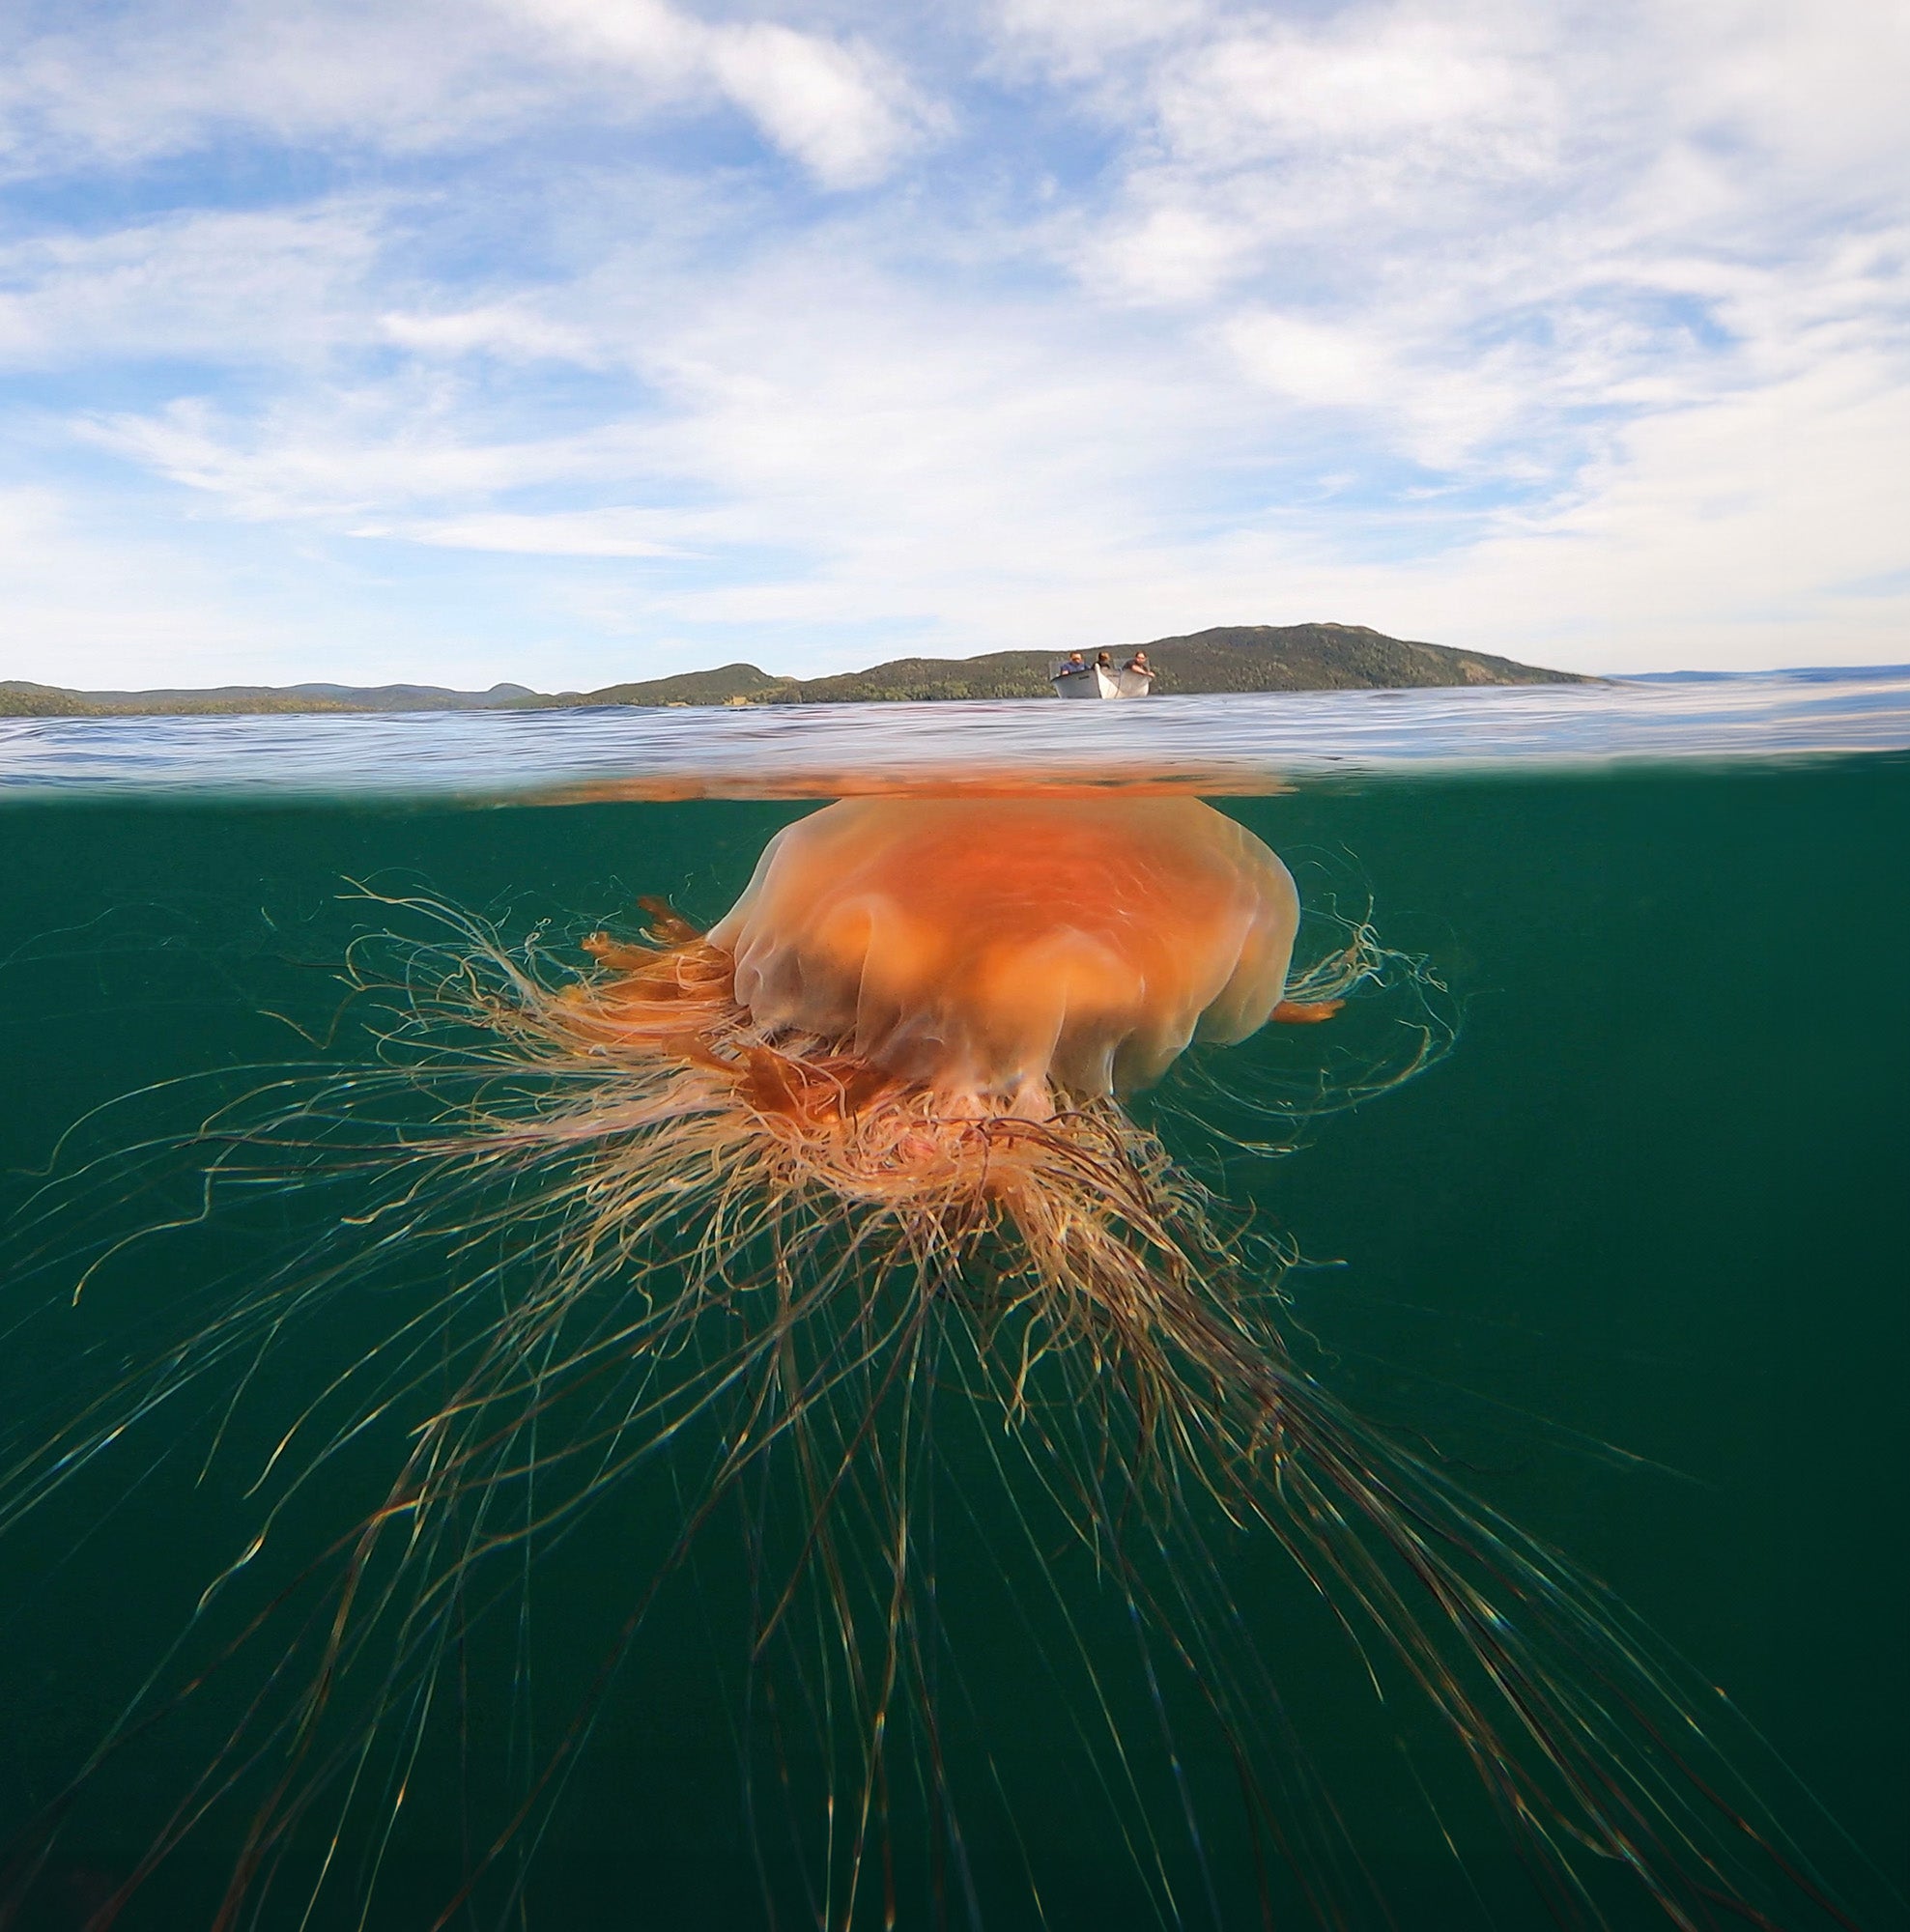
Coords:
1216,744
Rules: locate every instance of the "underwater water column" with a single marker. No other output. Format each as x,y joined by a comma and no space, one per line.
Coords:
839,1264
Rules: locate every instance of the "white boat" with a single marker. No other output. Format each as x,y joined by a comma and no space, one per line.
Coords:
1095,682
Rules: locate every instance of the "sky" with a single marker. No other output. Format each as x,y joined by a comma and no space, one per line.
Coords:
574,341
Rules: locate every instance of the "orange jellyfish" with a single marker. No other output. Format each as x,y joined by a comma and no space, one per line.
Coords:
1017,953
779,1204
934,1004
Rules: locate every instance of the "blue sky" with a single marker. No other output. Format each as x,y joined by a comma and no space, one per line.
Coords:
568,341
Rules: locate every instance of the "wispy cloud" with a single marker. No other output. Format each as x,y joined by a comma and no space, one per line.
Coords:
122,86
608,532
1579,336
837,107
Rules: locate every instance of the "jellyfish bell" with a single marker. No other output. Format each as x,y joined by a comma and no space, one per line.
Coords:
983,958
1003,952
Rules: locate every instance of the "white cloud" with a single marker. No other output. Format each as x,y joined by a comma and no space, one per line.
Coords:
1753,528
1419,91
352,454
836,107
94,601
611,532
1820,95
515,330
280,286
638,36
161,79
1312,361
1077,39
840,111
432,75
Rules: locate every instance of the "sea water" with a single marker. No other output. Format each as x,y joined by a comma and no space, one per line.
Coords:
1628,1262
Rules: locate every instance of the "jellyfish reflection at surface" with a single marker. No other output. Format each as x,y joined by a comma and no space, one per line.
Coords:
777,1207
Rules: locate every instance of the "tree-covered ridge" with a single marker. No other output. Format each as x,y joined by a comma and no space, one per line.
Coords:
1229,658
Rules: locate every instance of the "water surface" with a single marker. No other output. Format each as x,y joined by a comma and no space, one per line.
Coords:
1221,745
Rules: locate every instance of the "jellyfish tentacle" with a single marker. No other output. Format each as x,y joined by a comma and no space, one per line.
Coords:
1304,1012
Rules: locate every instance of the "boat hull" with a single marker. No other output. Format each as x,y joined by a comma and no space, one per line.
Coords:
1094,682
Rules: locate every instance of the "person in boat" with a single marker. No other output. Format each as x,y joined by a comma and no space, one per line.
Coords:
1074,665
1102,661
1138,663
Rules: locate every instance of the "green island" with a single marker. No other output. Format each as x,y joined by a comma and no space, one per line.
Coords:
1229,658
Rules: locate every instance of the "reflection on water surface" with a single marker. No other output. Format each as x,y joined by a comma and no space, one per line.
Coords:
1220,746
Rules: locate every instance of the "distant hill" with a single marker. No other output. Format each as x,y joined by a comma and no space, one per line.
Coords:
18,700
1240,656
732,684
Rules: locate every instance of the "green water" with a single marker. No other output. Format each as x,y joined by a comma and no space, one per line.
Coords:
1629,1262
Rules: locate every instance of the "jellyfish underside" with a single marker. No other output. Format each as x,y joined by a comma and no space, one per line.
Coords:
802,1181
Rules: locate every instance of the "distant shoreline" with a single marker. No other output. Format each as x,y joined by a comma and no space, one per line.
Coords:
1228,658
